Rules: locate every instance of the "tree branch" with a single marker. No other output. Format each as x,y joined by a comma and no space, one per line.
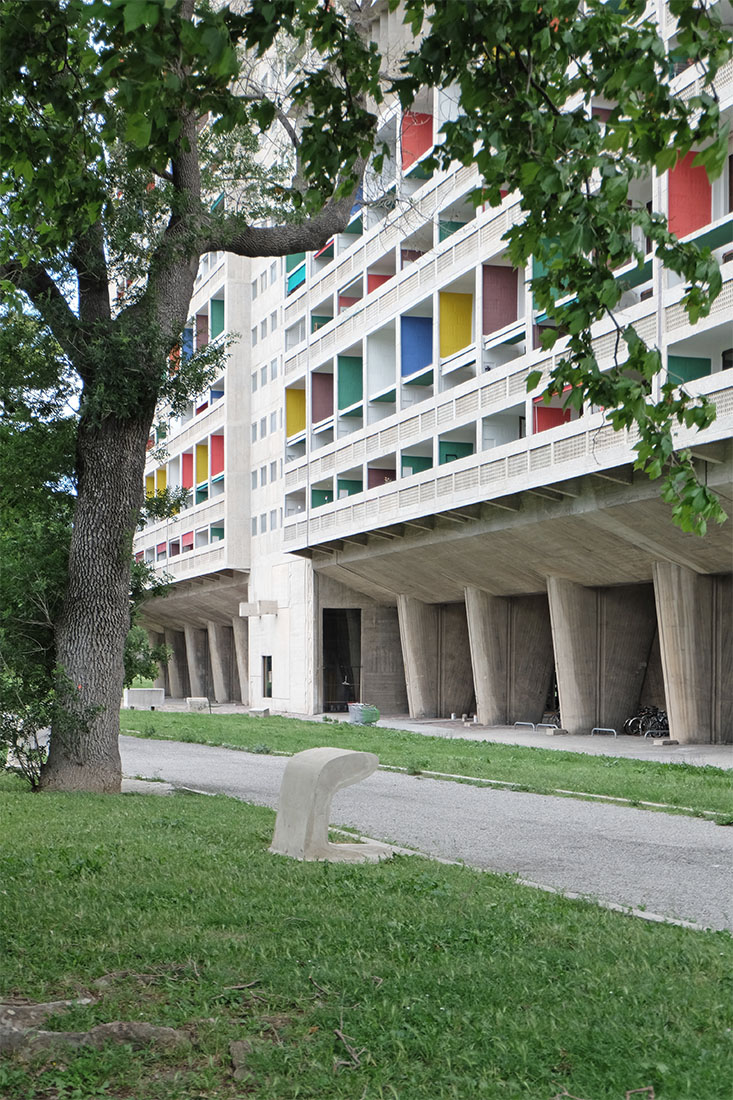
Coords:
35,281
280,240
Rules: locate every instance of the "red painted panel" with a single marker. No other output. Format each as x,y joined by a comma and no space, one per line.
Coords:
161,546
202,330
689,197
217,455
187,539
345,302
409,255
321,396
546,417
499,298
417,136
376,477
187,471
373,281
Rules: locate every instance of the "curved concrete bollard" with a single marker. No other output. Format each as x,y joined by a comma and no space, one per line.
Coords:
310,781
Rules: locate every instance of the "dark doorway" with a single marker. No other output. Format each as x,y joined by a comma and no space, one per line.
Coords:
341,658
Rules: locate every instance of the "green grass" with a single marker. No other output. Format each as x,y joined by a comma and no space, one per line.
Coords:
542,770
448,983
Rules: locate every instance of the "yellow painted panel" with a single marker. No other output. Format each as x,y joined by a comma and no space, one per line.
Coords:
456,322
294,412
160,479
202,462
150,485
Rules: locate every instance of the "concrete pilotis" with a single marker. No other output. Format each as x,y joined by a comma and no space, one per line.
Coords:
574,619
240,633
419,637
220,652
530,658
196,656
685,616
177,667
488,628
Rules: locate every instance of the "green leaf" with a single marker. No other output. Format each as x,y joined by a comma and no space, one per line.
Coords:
533,380
138,130
714,157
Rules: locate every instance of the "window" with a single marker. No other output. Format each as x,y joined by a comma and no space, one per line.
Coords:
273,519
254,336
254,479
263,523
254,289
273,272
263,329
273,471
263,427
273,421
254,525
263,376
273,321
263,281
267,677
273,370
254,381
254,433
263,475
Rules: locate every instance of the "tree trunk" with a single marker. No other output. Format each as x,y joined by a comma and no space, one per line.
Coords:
90,634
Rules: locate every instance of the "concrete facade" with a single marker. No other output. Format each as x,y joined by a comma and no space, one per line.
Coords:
379,506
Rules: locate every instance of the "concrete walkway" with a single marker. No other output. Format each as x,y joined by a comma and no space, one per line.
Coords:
678,867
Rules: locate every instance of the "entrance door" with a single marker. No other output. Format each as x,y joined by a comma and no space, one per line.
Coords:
341,657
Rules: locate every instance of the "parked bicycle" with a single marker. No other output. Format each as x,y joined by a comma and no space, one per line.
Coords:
650,721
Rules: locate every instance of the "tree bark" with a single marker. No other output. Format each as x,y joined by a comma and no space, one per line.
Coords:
90,634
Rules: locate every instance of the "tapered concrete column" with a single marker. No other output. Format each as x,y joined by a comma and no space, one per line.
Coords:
177,667
419,638
488,632
240,630
685,614
156,638
196,658
220,652
574,619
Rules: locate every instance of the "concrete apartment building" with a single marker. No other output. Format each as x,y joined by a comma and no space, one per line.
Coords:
379,511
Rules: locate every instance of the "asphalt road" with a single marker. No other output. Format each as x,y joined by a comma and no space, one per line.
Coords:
677,867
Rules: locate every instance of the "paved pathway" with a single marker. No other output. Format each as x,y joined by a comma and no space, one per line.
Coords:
678,867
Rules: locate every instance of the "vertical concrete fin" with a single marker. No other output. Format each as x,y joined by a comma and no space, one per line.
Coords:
530,660
419,637
240,631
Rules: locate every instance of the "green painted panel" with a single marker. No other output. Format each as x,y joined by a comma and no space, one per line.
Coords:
415,463
449,451
350,380
295,259
216,533
425,379
319,497
716,238
389,397
447,228
217,317
349,485
685,368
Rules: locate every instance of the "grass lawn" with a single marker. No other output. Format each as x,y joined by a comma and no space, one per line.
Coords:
409,980
540,770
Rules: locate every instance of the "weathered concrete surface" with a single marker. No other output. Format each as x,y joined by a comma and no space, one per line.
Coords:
676,866
310,780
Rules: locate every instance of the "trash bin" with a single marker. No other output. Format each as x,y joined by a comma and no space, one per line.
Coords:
362,714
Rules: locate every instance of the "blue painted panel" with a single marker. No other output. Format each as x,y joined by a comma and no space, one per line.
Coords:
417,344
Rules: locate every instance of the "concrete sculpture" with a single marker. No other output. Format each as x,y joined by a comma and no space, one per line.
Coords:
310,781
